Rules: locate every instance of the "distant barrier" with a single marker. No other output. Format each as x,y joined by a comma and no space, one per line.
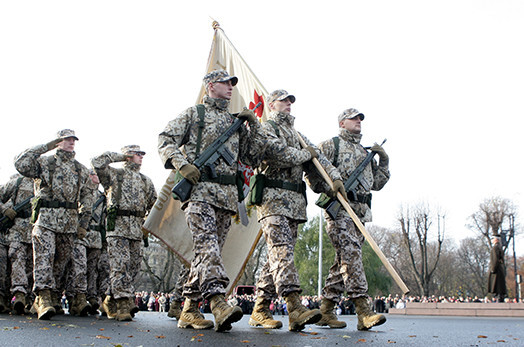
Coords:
461,309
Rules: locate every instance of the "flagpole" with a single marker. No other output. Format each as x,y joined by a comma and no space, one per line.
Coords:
320,229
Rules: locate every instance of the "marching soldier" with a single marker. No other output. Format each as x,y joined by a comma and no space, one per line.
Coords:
16,191
213,201
280,195
130,195
347,273
62,213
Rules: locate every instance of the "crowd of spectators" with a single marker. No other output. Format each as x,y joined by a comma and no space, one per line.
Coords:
381,304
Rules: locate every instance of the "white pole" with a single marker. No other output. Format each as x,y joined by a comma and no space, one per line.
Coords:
320,227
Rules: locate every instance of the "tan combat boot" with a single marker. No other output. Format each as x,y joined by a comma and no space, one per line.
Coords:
366,317
192,318
56,302
43,306
80,306
19,304
261,315
109,307
174,310
328,317
133,309
299,316
224,314
123,310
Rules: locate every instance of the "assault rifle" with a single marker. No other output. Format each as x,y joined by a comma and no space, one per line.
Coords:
5,222
354,179
182,190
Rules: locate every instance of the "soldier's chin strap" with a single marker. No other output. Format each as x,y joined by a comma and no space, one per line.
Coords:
357,221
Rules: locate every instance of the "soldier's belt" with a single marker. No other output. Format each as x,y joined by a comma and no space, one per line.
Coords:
220,179
128,213
296,187
57,204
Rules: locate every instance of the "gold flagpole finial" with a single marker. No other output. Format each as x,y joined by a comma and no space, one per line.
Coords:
215,25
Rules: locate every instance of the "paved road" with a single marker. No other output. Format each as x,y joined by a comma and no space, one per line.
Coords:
156,329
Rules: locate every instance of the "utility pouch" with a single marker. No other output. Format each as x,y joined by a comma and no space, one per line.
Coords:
323,201
111,218
256,189
36,203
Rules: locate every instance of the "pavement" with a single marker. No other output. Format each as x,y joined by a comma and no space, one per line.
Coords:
156,329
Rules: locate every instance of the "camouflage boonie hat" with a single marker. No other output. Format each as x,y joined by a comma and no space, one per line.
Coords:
132,149
219,76
65,133
280,94
350,113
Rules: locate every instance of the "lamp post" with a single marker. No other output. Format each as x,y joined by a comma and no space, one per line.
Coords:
320,227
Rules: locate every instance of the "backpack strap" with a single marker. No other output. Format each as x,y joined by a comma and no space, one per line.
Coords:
201,112
336,142
17,187
275,126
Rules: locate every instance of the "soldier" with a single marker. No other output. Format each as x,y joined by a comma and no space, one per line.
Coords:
497,270
64,193
16,191
213,201
130,195
347,273
282,207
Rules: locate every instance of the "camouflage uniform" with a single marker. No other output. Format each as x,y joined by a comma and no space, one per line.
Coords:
347,273
18,189
64,186
136,198
282,209
95,276
211,205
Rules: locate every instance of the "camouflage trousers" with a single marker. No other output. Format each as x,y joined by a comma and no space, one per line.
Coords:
51,255
77,274
179,285
279,275
21,258
125,257
103,272
209,227
347,273
93,258
4,274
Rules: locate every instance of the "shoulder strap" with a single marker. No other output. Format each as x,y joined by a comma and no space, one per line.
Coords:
119,179
52,167
336,142
275,126
201,112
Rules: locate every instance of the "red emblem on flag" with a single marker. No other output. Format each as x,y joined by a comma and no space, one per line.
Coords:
257,98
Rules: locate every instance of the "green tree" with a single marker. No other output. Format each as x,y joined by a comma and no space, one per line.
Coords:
306,261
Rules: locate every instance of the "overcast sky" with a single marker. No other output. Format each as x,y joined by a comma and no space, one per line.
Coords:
443,81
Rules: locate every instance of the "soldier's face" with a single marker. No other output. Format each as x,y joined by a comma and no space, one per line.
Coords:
137,158
282,106
221,90
353,125
68,144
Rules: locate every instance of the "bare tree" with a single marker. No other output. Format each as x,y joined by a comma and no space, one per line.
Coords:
415,226
473,254
490,217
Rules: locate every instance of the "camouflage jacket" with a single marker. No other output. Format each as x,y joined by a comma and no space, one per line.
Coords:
137,193
350,155
98,215
69,183
246,145
285,160
10,195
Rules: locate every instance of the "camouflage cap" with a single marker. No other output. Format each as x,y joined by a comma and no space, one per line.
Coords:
280,94
65,133
219,76
132,149
350,113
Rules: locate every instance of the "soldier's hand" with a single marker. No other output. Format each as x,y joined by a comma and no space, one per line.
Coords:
190,172
52,145
248,115
380,151
338,187
312,151
10,213
81,233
